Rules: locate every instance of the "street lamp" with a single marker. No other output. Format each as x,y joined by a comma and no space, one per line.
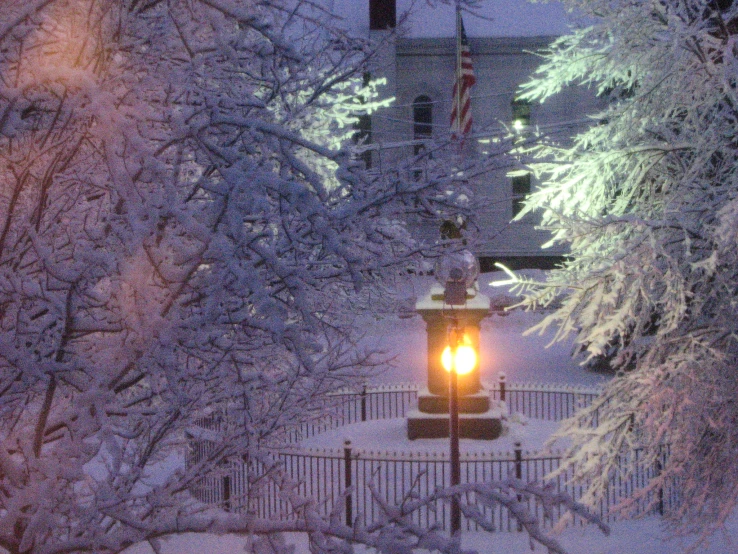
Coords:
458,272
458,358
462,359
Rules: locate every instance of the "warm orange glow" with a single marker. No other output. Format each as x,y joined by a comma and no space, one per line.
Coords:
63,48
463,361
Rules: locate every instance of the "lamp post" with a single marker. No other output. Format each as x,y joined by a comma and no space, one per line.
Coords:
458,358
453,433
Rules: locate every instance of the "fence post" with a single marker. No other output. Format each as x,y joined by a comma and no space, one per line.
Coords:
502,387
226,489
348,482
660,493
519,472
363,403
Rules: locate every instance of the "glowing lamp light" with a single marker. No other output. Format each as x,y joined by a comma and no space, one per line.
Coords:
463,361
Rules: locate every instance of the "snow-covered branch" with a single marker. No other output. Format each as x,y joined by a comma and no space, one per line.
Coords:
645,201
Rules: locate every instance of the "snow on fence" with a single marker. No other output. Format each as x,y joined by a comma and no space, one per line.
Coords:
326,475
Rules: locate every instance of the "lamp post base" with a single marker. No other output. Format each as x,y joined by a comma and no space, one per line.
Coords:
475,403
480,426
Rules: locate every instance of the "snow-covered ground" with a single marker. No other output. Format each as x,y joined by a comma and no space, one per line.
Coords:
634,537
390,435
523,359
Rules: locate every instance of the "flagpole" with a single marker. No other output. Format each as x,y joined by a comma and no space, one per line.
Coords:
453,408
458,67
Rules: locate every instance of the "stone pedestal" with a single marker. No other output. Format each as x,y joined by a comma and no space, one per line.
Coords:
476,403
437,317
477,419
483,426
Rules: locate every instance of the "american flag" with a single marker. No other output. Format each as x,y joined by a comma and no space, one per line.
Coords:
461,119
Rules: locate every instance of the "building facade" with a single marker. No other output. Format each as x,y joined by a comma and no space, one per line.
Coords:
420,74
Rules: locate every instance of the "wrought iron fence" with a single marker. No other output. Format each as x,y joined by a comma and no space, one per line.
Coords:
366,404
542,401
327,475
339,481
534,400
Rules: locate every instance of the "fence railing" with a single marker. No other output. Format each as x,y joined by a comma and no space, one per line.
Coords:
534,400
542,401
366,404
326,475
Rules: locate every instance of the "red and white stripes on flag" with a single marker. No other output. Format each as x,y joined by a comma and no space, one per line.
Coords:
461,119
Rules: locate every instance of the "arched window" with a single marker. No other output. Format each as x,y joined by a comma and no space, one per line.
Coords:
422,120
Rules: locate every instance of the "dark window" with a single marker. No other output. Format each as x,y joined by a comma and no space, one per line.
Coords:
520,190
422,120
382,14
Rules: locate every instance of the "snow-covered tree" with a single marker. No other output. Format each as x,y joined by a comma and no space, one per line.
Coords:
181,232
180,229
647,201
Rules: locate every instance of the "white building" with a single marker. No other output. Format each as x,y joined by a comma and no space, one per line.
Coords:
418,59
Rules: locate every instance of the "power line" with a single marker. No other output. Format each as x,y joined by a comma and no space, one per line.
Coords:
475,97
488,132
